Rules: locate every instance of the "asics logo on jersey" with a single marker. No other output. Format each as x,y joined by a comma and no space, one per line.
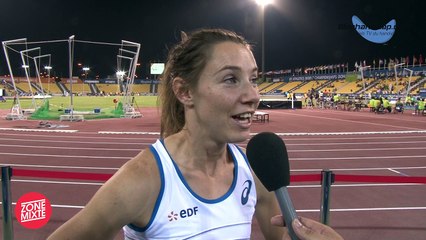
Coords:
246,192
184,213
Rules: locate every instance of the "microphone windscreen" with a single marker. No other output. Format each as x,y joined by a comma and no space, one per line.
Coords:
268,158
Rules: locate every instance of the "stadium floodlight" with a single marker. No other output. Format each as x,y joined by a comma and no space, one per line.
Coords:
120,74
85,69
48,68
263,4
25,66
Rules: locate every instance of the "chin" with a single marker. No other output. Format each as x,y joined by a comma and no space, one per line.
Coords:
240,137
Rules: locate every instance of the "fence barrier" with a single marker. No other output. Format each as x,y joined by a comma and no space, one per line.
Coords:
326,178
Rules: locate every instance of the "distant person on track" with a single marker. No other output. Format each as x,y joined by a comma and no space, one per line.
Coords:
194,183
386,104
399,106
420,106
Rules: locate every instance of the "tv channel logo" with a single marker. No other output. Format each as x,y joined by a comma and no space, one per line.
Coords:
381,35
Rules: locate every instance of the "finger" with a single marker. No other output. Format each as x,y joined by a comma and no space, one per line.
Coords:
278,221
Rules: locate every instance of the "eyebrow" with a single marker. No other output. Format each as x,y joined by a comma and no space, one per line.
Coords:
232,67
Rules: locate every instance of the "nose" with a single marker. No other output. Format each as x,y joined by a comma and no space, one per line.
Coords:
251,93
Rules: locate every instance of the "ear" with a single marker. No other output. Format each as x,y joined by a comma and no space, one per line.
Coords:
182,92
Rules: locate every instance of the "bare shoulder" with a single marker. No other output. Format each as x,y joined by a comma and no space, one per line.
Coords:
141,167
138,183
134,188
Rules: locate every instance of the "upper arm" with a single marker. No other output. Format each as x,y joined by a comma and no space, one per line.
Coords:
267,207
128,197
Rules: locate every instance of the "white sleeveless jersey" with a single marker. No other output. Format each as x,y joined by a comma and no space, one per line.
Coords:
180,213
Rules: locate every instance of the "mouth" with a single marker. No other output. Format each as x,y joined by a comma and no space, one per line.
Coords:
243,118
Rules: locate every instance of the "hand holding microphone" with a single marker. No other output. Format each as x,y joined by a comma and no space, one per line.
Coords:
308,229
268,157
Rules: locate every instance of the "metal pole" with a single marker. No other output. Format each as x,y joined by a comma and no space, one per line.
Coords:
70,65
263,43
10,69
6,174
326,181
409,82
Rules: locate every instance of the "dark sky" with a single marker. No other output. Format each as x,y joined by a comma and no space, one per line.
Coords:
297,33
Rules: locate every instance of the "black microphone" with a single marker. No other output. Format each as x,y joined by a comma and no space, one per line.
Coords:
268,157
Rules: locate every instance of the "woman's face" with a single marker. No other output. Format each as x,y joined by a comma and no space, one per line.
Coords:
226,96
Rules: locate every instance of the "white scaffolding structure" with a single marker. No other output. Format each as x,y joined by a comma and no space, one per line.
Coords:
361,69
407,92
126,63
127,59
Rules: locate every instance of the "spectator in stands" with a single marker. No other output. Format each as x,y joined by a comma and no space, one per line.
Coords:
208,98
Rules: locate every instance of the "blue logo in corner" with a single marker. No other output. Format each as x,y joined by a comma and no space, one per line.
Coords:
380,35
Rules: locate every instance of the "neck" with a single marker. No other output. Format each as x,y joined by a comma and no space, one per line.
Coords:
197,153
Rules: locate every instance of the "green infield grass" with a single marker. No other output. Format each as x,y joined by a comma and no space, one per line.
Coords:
53,107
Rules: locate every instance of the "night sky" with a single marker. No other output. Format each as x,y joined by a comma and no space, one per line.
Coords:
298,33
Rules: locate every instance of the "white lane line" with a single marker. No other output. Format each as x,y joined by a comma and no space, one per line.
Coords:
398,172
132,133
57,166
354,143
79,142
39,130
57,206
80,136
358,158
291,186
71,148
355,169
364,209
359,149
57,182
62,156
297,210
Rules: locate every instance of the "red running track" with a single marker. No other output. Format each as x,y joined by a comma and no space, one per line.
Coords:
360,143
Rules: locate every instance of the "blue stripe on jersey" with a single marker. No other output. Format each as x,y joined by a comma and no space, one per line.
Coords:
160,194
243,154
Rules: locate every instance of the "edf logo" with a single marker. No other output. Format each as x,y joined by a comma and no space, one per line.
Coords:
184,213
188,212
